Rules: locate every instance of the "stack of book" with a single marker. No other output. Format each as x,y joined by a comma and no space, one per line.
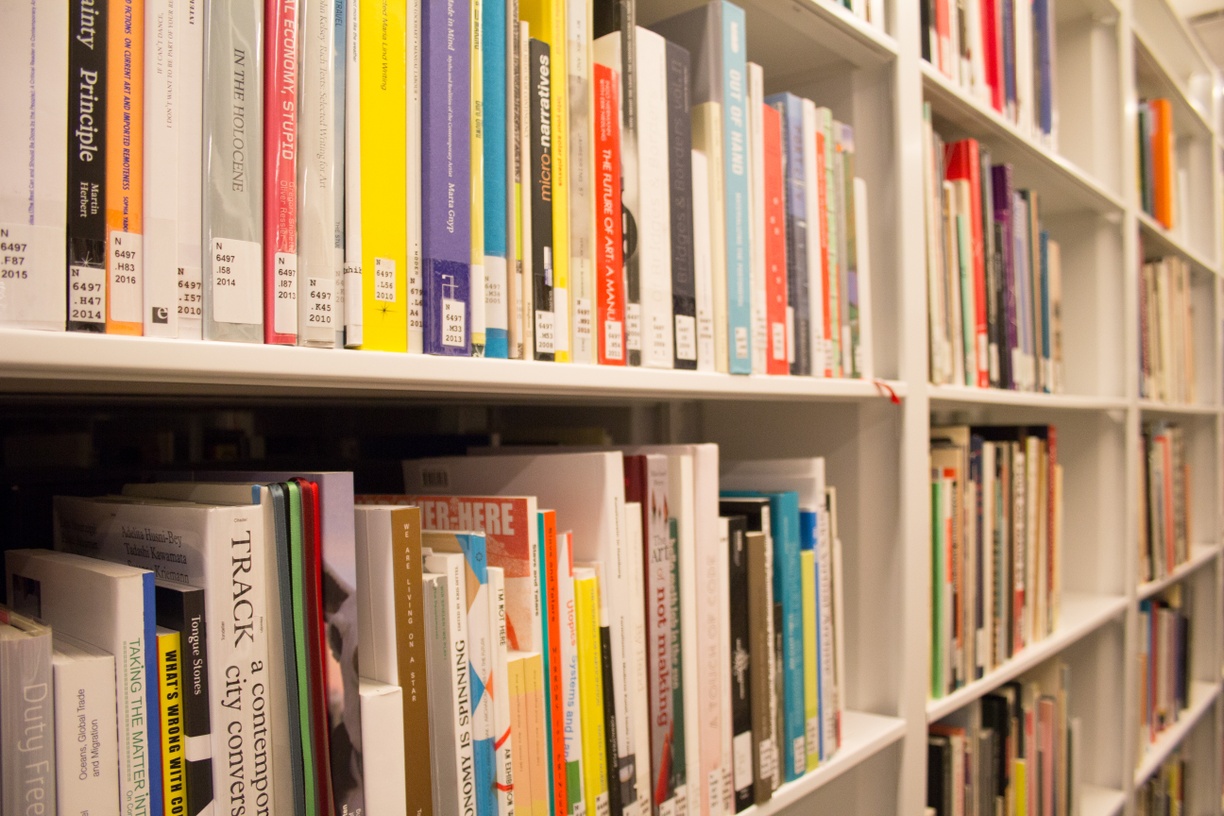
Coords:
1021,755
1157,161
622,631
1001,53
1166,331
994,276
540,180
1164,660
1164,507
996,547
1164,793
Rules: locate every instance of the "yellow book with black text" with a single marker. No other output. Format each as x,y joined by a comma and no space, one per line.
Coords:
170,695
590,690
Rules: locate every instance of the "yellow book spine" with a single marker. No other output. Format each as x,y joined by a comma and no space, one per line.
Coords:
384,182
520,742
174,769
546,19
124,168
1020,785
590,690
811,686
479,321
537,756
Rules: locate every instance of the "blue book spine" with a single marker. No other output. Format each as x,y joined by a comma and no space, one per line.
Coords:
788,592
1009,56
1045,79
446,178
494,66
791,109
475,553
808,536
152,697
735,180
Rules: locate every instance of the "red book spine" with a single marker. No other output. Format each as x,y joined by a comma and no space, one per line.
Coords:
963,162
548,539
610,307
993,54
775,246
280,171
822,214
316,637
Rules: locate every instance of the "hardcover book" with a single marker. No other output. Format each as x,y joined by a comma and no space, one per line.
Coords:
541,319
382,736
125,168
794,185
609,241
680,180
282,289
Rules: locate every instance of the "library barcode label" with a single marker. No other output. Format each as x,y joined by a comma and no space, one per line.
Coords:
584,325
714,782
454,322
126,278
633,326
384,280
190,293
741,342
87,294
602,808
741,750
686,337
320,301
813,735
31,271
614,340
235,281
545,343
798,749
779,342
285,309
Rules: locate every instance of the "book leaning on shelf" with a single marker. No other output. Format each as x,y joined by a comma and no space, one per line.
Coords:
1164,508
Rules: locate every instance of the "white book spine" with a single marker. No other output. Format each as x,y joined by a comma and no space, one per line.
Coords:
703,271
703,753
581,181
382,740
640,701
351,277
756,185
161,152
815,248
316,167
722,587
462,798
1025,107
865,353
443,726
654,221
34,164
707,137
570,699
189,285
503,738
86,737
826,588
416,302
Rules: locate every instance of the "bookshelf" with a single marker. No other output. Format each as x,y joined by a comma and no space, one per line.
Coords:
875,435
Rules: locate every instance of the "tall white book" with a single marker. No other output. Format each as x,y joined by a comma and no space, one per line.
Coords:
382,737
189,287
161,150
86,737
703,271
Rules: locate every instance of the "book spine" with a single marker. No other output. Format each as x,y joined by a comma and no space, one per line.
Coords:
515,87
125,168
626,36
620,797
475,132
494,65
160,192
799,330
339,143
183,610
382,66
830,239
659,566
88,105
777,309
756,159
503,743
349,290
571,703
526,191
609,247
446,225
316,228
480,663
520,731
443,722
814,140
811,665
189,283
27,724
703,271
653,217
542,198
735,164
383,748
552,665
34,140
637,789
827,589
412,143
579,181
280,147
233,183
591,694
85,737
685,740
170,694
740,670
763,667
680,180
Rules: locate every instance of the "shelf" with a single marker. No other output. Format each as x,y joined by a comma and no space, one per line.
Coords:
1064,186
1155,408
953,395
1096,801
1158,242
1080,615
1202,695
1159,77
863,736
1200,554
60,362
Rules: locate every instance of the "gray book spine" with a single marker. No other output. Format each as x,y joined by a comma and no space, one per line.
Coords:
27,722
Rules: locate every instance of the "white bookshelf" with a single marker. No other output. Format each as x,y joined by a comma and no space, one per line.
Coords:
875,435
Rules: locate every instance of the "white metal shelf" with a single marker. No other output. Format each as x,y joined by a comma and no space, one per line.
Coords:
1156,408
1158,241
1096,801
943,396
1200,555
1079,616
1202,695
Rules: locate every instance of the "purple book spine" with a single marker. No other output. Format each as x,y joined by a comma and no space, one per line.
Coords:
446,186
1001,176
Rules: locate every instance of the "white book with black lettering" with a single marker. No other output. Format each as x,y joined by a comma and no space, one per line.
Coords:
86,738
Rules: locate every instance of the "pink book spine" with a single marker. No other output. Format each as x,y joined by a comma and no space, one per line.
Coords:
280,171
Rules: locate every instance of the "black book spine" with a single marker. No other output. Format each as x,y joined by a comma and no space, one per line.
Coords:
994,263
87,78
541,199
680,176
621,784
741,662
181,608
801,206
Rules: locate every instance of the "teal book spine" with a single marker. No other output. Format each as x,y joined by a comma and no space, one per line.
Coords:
735,180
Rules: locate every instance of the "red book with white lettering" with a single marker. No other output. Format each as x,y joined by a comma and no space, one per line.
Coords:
776,303
610,272
280,172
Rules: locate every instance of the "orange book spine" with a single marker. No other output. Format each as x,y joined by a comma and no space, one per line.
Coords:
125,169
552,691
1162,161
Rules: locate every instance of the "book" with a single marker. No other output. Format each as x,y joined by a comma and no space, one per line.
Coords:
86,738
189,299
125,168
382,738
351,300
679,177
579,184
590,682
739,667
282,287
534,692
570,707
66,591
28,759
232,209
170,695
778,317
756,161
703,272
609,240
495,63
716,32
160,193
542,315
795,207
475,147
764,668
521,731
499,690
88,109
34,46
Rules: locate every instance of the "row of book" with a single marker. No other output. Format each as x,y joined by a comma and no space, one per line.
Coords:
996,547
1016,753
994,275
1164,792
1164,662
540,179
1157,161
1001,53
629,632
1166,331
1164,507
